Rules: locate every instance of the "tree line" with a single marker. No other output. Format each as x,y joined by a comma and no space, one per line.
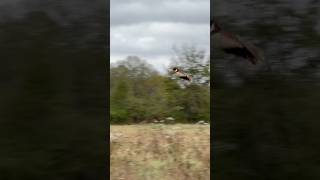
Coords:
140,93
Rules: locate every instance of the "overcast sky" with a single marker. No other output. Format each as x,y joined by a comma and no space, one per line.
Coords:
149,29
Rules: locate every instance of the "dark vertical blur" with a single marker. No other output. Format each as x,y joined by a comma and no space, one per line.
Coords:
53,89
266,121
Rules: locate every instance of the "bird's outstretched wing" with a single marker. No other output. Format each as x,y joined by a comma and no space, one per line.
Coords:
232,44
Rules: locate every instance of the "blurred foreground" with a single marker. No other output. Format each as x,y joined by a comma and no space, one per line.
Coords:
267,120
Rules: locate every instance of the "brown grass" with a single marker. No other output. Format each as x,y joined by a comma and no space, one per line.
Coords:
160,152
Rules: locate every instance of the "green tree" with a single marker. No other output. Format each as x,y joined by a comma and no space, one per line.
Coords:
140,94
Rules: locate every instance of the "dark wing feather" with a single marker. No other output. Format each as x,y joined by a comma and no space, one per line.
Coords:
226,40
232,44
185,78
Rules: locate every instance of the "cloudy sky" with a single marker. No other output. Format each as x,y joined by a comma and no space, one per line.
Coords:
149,29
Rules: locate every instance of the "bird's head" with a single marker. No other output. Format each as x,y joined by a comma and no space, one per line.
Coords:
175,69
214,27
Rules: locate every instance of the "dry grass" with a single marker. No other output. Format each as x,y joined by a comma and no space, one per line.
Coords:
161,152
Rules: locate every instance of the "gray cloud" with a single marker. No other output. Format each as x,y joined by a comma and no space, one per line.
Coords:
149,29
161,11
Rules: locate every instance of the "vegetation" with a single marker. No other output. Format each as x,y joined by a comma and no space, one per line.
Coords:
177,152
139,93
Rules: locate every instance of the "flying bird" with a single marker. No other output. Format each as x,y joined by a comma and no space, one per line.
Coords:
232,44
181,74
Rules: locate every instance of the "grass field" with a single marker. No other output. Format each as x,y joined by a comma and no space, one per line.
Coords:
160,152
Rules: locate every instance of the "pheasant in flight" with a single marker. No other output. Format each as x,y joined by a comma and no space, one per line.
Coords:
181,74
232,44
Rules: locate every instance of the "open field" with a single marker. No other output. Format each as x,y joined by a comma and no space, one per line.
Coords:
160,152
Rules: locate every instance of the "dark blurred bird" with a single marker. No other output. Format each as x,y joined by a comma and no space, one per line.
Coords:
181,74
232,44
